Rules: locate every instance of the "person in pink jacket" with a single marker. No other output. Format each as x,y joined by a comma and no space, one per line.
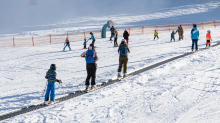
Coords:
91,57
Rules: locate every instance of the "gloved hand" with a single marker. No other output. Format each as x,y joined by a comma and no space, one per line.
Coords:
59,81
89,38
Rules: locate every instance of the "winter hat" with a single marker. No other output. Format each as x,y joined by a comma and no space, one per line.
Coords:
209,31
194,25
66,37
91,33
53,66
123,41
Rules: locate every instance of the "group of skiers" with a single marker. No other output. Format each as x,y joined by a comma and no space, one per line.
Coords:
91,57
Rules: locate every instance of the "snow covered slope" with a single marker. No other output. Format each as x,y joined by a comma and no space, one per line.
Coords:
20,19
183,90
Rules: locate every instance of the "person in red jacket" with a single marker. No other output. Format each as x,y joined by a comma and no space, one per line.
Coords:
67,42
208,38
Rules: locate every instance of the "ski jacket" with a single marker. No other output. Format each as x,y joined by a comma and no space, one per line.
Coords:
155,33
208,36
172,34
112,29
180,30
195,33
51,75
92,37
119,49
95,56
67,41
125,35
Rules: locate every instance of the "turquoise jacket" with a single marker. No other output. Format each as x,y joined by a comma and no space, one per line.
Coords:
195,33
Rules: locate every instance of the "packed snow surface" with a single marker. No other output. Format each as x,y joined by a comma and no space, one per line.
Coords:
184,90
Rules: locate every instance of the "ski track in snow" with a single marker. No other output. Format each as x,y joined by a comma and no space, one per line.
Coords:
184,90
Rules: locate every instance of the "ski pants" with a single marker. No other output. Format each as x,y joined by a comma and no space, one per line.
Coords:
50,91
180,36
123,60
156,36
91,72
208,42
66,46
195,41
93,42
115,42
172,38
112,35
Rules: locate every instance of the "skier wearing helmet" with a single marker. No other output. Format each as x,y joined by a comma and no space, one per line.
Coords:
67,43
156,34
208,38
123,57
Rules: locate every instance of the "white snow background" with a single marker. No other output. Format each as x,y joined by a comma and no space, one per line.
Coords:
184,90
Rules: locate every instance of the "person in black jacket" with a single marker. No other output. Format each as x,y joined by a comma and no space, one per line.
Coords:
112,29
126,35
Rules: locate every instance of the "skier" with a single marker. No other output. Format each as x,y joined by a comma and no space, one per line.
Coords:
195,36
126,35
67,42
172,36
84,43
123,57
180,32
51,78
115,39
156,34
91,66
112,29
208,38
93,38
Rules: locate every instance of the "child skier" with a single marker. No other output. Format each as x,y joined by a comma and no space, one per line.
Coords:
172,36
115,39
123,57
51,78
156,34
91,66
67,42
93,38
208,38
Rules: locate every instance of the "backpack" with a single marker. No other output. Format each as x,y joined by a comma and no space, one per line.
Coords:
123,51
89,56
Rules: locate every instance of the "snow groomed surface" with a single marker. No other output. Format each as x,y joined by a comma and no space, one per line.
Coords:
98,86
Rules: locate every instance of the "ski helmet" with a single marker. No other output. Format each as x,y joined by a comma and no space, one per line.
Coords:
209,31
123,40
194,25
53,66
125,29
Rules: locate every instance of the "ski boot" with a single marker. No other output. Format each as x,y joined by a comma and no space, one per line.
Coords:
119,74
125,75
93,87
87,87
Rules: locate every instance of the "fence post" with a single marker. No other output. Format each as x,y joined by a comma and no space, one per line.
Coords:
84,35
169,27
214,24
129,30
33,40
13,41
50,38
202,25
157,28
142,30
67,35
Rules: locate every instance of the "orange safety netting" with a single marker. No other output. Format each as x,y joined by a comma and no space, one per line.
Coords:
56,38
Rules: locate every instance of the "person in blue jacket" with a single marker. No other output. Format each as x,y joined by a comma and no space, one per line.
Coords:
51,78
195,37
93,38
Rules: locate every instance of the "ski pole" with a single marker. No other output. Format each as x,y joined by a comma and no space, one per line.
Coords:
44,89
63,91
